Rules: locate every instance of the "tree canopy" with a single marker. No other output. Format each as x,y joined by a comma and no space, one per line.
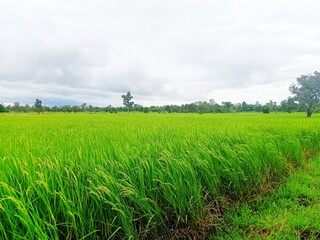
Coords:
38,105
2,108
127,100
307,91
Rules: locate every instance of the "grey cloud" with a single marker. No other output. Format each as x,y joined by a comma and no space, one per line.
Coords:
161,51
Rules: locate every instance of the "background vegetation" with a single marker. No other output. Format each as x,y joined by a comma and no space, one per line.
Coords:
210,106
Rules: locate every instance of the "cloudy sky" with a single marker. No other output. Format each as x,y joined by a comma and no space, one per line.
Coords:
163,51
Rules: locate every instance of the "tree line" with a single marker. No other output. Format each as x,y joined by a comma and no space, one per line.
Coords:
288,105
306,98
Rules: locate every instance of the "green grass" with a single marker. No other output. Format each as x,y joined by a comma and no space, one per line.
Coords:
291,212
104,176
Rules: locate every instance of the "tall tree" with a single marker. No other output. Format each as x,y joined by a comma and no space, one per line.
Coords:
2,108
127,101
307,91
38,105
83,106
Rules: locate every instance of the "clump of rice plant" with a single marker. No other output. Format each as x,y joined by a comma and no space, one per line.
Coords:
128,176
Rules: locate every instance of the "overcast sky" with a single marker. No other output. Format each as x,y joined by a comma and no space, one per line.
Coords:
163,51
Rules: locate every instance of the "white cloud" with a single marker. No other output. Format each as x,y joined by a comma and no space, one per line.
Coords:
261,93
162,51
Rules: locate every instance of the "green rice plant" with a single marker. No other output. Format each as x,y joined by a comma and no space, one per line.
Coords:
131,176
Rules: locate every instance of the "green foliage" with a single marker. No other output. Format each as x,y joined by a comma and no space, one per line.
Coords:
2,108
307,91
127,101
266,109
288,105
38,105
120,176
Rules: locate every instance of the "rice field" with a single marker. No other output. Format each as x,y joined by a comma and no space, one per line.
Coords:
139,176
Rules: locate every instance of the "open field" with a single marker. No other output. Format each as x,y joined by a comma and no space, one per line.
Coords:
100,176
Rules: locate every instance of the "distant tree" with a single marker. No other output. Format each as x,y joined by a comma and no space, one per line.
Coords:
127,101
2,108
307,91
27,108
226,106
76,108
66,108
203,106
244,106
138,107
288,105
16,107
38,105
266,108
55,109
272,106
146,109
83,106
257,107
167,108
